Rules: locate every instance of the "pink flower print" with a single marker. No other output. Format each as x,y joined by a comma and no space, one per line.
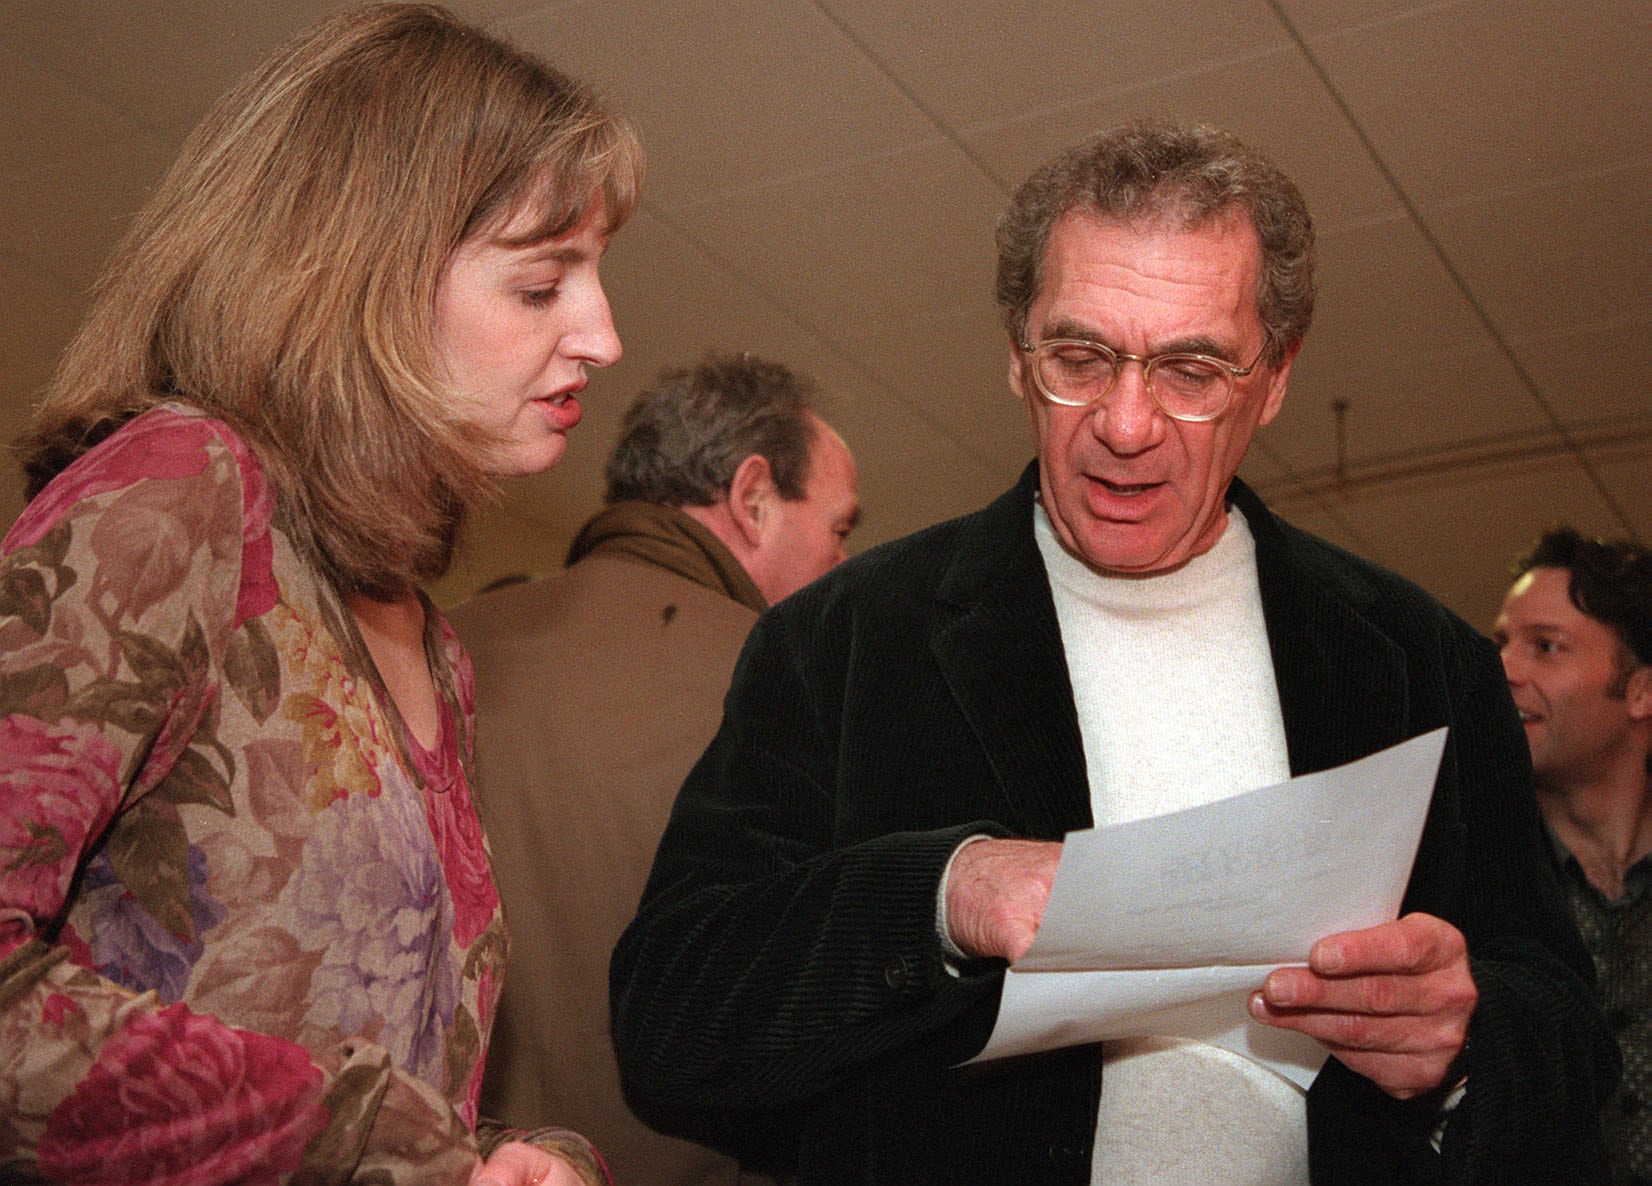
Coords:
161,443
189,1101
458,833
258,592
470,1107
487,989
59,1008
58,790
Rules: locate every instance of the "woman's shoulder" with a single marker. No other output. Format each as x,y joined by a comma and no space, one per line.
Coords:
176,455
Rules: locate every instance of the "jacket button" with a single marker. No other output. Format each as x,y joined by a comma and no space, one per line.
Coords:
897,973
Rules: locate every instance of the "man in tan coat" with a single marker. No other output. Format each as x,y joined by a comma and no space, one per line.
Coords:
598,688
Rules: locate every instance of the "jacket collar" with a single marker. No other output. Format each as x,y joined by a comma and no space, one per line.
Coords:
999,649
665,537
1341,679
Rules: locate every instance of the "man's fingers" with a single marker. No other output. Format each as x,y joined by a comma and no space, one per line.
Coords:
1413,945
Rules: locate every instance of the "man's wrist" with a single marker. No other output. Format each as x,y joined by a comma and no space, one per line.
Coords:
955,955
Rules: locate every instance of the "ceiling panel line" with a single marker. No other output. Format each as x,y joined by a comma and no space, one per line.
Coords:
1560,181
1459,281
848,357
1317,497
1462,461
912,97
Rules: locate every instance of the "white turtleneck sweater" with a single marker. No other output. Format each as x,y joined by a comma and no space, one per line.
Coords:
1173,682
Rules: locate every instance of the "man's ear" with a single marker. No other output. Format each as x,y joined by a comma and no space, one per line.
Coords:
1274,399
1018,370
749,494
1638,693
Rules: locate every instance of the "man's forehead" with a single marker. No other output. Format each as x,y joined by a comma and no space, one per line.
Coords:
1541,599
1081,236
1168,220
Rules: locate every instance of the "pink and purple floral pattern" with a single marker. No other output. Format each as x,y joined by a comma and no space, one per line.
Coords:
179,1099
246,934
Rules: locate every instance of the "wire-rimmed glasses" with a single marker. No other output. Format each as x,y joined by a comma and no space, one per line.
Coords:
1076,373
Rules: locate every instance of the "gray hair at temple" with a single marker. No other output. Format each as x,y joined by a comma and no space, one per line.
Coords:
1143,171
684,436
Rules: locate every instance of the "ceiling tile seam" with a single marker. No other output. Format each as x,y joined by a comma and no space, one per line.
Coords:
1476,306
1124,90
1555,181
707,197
1357,538
1607,437
1636,315
834,347
1472,473
1397,17
912,97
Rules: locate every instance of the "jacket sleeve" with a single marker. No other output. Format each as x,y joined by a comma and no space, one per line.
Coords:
1539,1058
781,944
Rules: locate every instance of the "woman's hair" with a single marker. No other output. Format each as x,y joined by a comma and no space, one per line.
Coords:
283,275
685,436
1140,172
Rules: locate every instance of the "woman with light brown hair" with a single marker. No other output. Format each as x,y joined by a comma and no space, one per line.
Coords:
247,926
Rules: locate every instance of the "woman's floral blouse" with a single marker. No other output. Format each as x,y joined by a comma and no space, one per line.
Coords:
248,933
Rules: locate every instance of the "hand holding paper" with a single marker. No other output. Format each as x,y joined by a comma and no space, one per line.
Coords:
1392,1002
995,895
1165,926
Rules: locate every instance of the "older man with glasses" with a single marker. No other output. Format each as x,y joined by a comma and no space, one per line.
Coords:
1128,632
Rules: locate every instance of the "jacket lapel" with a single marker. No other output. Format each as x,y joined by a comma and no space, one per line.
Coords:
998,645
1342,683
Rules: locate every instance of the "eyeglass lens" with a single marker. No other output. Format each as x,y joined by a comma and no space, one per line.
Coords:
1081,373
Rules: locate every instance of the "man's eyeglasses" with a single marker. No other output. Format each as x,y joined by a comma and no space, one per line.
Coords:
1076,373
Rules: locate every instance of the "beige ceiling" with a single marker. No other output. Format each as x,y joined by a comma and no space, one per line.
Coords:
823,179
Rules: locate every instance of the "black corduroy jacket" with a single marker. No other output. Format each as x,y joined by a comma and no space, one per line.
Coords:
783,994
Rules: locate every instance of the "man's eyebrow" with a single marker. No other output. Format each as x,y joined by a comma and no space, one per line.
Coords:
1066,327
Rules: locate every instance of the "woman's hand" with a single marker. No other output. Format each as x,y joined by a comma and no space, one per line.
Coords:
518,1164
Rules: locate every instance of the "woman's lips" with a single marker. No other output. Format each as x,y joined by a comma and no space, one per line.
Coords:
563,411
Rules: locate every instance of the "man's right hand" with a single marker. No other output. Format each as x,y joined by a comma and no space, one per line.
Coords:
995,895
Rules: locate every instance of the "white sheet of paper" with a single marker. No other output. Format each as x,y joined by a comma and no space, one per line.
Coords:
1160,927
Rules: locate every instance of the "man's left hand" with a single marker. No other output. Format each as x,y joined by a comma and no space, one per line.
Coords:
1391,1002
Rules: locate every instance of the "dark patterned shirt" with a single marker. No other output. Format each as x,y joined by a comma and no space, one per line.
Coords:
1618,934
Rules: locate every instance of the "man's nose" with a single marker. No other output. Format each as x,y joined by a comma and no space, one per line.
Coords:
1126,419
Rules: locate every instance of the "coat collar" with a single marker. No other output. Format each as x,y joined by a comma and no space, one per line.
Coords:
665,537
1341,680
999,649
